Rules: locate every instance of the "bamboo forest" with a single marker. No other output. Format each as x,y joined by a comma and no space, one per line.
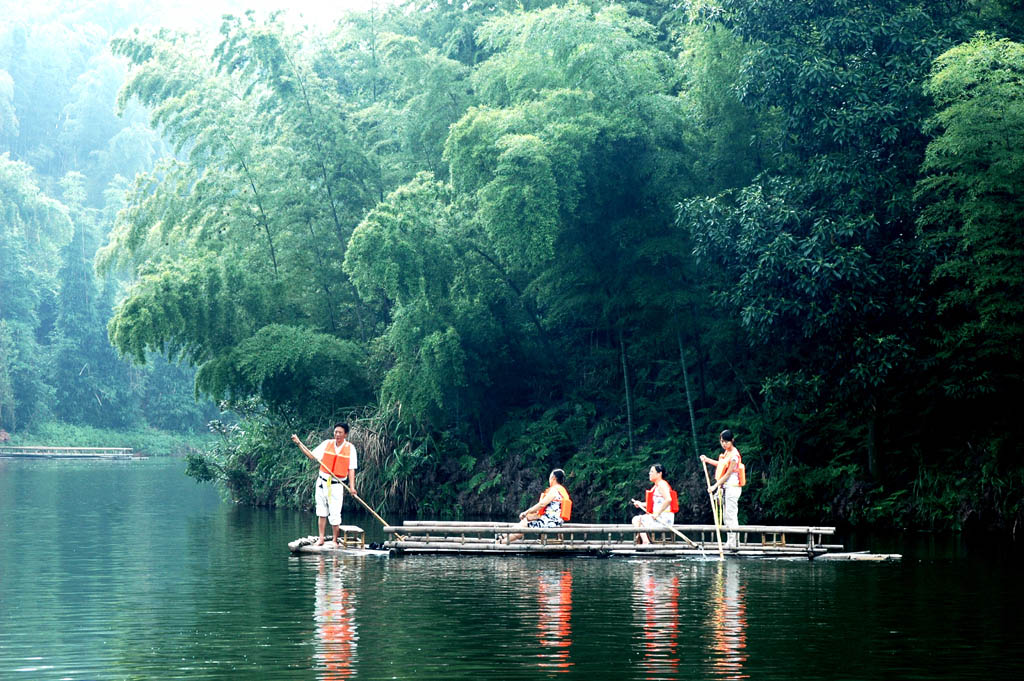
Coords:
502,237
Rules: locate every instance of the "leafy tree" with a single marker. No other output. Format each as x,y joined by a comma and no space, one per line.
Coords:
575,136
8,116
452,26
240,246
32,226
972,192
92,386
817,252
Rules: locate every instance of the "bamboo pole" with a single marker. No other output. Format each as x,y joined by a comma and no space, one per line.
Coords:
368,507
714,510
675,531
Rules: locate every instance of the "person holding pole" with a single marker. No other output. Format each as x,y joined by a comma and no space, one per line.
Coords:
337,459
659,511
729,477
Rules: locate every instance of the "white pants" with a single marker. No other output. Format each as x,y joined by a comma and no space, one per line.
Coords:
329,498
648,520
731,514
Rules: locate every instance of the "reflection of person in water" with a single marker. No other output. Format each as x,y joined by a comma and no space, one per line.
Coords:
729,624
658,609
335,624
554,612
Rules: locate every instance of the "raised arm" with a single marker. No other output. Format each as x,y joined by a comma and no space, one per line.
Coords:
305,450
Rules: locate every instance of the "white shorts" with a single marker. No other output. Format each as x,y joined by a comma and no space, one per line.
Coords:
328,503
666,518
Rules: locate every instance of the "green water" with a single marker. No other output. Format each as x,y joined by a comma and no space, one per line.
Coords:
130,570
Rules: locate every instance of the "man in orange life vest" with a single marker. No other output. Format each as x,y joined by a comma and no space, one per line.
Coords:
337,459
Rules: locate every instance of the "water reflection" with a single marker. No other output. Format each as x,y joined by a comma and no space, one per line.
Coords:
336,633
658,610
728,623
554,596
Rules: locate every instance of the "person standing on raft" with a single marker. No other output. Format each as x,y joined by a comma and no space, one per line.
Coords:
337,459
729,474
660,506
554,507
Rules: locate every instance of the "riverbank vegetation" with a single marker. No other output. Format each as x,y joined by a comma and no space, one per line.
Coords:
502,237
141,439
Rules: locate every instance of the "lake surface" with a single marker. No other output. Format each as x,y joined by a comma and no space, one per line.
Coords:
130,570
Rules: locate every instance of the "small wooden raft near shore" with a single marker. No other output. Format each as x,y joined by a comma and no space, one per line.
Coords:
351,541
39,452
581,539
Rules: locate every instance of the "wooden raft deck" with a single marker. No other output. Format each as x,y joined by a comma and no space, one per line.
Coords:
581,539
40,452
351,541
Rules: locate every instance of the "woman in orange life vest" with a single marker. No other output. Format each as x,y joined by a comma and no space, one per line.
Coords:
337,459
727,476
658,509
554,507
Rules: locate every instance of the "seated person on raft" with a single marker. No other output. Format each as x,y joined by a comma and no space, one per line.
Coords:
554,507
659,508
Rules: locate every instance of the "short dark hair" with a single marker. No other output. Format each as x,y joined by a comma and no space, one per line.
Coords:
726,436
343,426
559,475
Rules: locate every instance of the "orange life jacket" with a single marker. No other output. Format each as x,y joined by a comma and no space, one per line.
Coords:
740,469
337,461
566,501
673,505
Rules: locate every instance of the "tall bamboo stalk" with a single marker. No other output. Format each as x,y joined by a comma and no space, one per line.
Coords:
629,392
689,398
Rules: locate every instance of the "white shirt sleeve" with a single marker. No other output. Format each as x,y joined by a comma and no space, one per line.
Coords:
318,453
353,463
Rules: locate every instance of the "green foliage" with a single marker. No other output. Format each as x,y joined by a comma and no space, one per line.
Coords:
451,224
487,273
60,137
32,227
294,371
972,195
142,439
57,91
253,464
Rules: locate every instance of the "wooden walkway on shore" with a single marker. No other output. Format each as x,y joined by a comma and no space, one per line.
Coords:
39,452
581,539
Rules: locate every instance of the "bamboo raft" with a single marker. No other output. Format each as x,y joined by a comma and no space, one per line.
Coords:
39,452
352,541
581,539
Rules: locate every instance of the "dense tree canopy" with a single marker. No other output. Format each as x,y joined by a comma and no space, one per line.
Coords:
502,237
